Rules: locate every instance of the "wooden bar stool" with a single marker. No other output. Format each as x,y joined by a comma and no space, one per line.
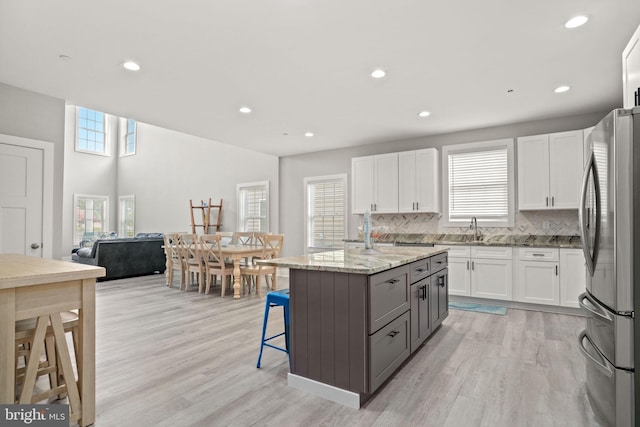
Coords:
276,299
51,364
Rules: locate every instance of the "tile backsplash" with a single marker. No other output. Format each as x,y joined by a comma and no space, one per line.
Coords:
561,223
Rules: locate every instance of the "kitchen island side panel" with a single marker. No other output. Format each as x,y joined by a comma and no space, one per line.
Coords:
328,327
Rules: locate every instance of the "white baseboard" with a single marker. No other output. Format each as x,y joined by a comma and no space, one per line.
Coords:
326,391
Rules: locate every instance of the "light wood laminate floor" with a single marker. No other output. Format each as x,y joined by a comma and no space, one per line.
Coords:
170,358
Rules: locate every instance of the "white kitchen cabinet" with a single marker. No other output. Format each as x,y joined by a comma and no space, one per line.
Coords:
631,70
573,276
586,149
537,276
550,170
374,184
419,181
480,271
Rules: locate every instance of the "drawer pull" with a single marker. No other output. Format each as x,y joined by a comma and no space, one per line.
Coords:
537,254
393,333
393,281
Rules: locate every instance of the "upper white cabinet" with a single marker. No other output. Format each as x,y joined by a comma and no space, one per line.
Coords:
550,170
419,181
374,183
631,70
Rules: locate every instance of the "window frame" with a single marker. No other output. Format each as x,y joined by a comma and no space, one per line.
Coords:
508,220
307,214
121,216
106,151
76,198
241,219
125,134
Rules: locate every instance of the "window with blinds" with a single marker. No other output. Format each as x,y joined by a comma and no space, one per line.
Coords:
253,206
326,212
479,183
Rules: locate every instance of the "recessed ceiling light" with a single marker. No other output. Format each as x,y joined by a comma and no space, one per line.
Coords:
308,134
131,66
561,89
576,21
245,110
378,74
424,114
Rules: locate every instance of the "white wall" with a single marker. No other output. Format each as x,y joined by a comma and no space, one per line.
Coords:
170,168
294,169
32,115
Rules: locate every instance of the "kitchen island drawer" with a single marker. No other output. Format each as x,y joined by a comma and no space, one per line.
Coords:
388,296
388,348
439,262
419,270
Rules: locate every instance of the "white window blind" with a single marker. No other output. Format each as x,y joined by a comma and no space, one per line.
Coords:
479,183
326,216
253,205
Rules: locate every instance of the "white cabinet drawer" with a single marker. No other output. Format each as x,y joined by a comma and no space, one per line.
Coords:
457,251
500,252
539,254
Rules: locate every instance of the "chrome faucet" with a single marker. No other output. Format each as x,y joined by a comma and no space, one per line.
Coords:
474,227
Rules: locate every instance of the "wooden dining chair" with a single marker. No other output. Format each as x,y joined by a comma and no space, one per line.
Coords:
210,250
174,260
271,248
191,261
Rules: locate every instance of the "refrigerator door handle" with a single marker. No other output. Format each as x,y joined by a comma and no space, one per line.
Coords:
600,361
593,307
583,215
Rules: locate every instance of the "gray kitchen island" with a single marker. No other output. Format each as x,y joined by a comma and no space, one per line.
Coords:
357,315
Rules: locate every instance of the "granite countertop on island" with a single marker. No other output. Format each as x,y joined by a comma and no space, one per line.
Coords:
514,240
355,260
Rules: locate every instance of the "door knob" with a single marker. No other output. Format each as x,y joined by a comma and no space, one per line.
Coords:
35,246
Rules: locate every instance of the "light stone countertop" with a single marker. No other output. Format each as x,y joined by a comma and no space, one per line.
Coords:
526,240
355,260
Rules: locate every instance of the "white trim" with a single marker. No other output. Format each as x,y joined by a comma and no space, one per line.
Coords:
326,391
131,197
239,187
314,179
507,143
76,196
107,133
47,185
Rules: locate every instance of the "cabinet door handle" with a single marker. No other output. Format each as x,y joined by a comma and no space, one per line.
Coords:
556,269
553,200
547,201
417,205
473,265
467,265
441,281
393,333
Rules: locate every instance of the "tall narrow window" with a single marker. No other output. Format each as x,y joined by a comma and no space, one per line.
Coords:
253,206
129,143
90,217
126,216
478,181
91,131
326,218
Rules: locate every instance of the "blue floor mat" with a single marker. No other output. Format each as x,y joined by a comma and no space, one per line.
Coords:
480,308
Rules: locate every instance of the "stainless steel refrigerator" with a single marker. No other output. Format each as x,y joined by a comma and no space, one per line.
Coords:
610,227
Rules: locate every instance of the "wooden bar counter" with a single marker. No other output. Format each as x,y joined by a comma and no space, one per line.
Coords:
43,288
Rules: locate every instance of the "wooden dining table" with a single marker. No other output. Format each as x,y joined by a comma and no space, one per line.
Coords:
237,252
40,288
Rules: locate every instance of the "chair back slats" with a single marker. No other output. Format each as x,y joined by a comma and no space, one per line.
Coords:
272,245
210,249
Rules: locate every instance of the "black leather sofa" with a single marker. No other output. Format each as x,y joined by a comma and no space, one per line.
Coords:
125,257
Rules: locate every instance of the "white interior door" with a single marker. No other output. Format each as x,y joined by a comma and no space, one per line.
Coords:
21,199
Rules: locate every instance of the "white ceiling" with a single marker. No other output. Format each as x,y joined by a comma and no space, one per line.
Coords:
304,65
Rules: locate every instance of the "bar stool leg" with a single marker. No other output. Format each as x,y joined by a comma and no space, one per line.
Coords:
264,330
